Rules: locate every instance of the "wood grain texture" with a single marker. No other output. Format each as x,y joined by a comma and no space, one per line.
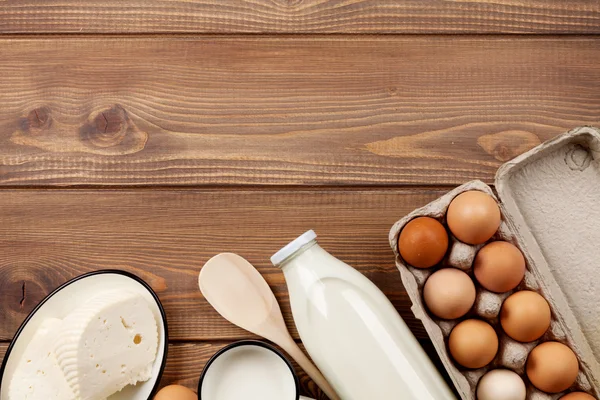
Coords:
299,16
286,111
186,361
165,236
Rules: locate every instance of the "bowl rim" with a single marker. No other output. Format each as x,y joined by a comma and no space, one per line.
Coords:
76,279
249,342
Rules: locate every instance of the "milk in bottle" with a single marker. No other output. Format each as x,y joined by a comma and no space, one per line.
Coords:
351,330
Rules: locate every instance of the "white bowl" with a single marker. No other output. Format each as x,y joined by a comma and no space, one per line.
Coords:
65,299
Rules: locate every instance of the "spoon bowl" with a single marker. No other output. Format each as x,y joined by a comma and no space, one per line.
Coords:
239,293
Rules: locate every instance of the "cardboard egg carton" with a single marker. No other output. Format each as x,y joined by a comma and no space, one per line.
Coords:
550,204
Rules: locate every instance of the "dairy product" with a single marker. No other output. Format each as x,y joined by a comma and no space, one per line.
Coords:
248,372
107,343
352,331
38,375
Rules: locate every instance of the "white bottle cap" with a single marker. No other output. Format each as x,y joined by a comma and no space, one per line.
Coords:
293,247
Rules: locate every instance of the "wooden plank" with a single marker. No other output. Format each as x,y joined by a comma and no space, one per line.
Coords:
299,16
286,110
165,236
186,361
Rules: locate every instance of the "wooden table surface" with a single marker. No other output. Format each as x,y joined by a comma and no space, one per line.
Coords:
149,135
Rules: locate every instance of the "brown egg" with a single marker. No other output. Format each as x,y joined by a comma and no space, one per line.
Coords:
423,242
473,343
499,267
449,293
473,217
175,392
552,367
525,316
578,396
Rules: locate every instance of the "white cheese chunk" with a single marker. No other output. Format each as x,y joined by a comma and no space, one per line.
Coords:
38,375
107,343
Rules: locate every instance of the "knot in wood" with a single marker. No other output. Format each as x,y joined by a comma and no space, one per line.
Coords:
37,121
107,128
21,289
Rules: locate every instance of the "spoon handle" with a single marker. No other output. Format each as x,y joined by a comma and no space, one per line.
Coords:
298,355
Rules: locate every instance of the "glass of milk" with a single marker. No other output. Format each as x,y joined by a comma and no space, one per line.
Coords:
249,370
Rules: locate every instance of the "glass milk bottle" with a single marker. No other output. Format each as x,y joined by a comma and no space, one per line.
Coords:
352,331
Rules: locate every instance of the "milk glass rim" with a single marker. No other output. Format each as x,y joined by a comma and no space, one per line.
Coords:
241,343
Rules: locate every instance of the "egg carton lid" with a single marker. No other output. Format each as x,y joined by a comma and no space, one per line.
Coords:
551,197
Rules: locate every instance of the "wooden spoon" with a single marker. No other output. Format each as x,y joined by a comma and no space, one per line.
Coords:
241,295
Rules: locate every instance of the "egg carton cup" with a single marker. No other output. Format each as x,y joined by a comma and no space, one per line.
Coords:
550,205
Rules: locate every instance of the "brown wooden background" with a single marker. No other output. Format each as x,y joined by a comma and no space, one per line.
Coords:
149,135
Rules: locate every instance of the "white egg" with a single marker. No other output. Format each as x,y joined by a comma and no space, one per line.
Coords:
501,384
